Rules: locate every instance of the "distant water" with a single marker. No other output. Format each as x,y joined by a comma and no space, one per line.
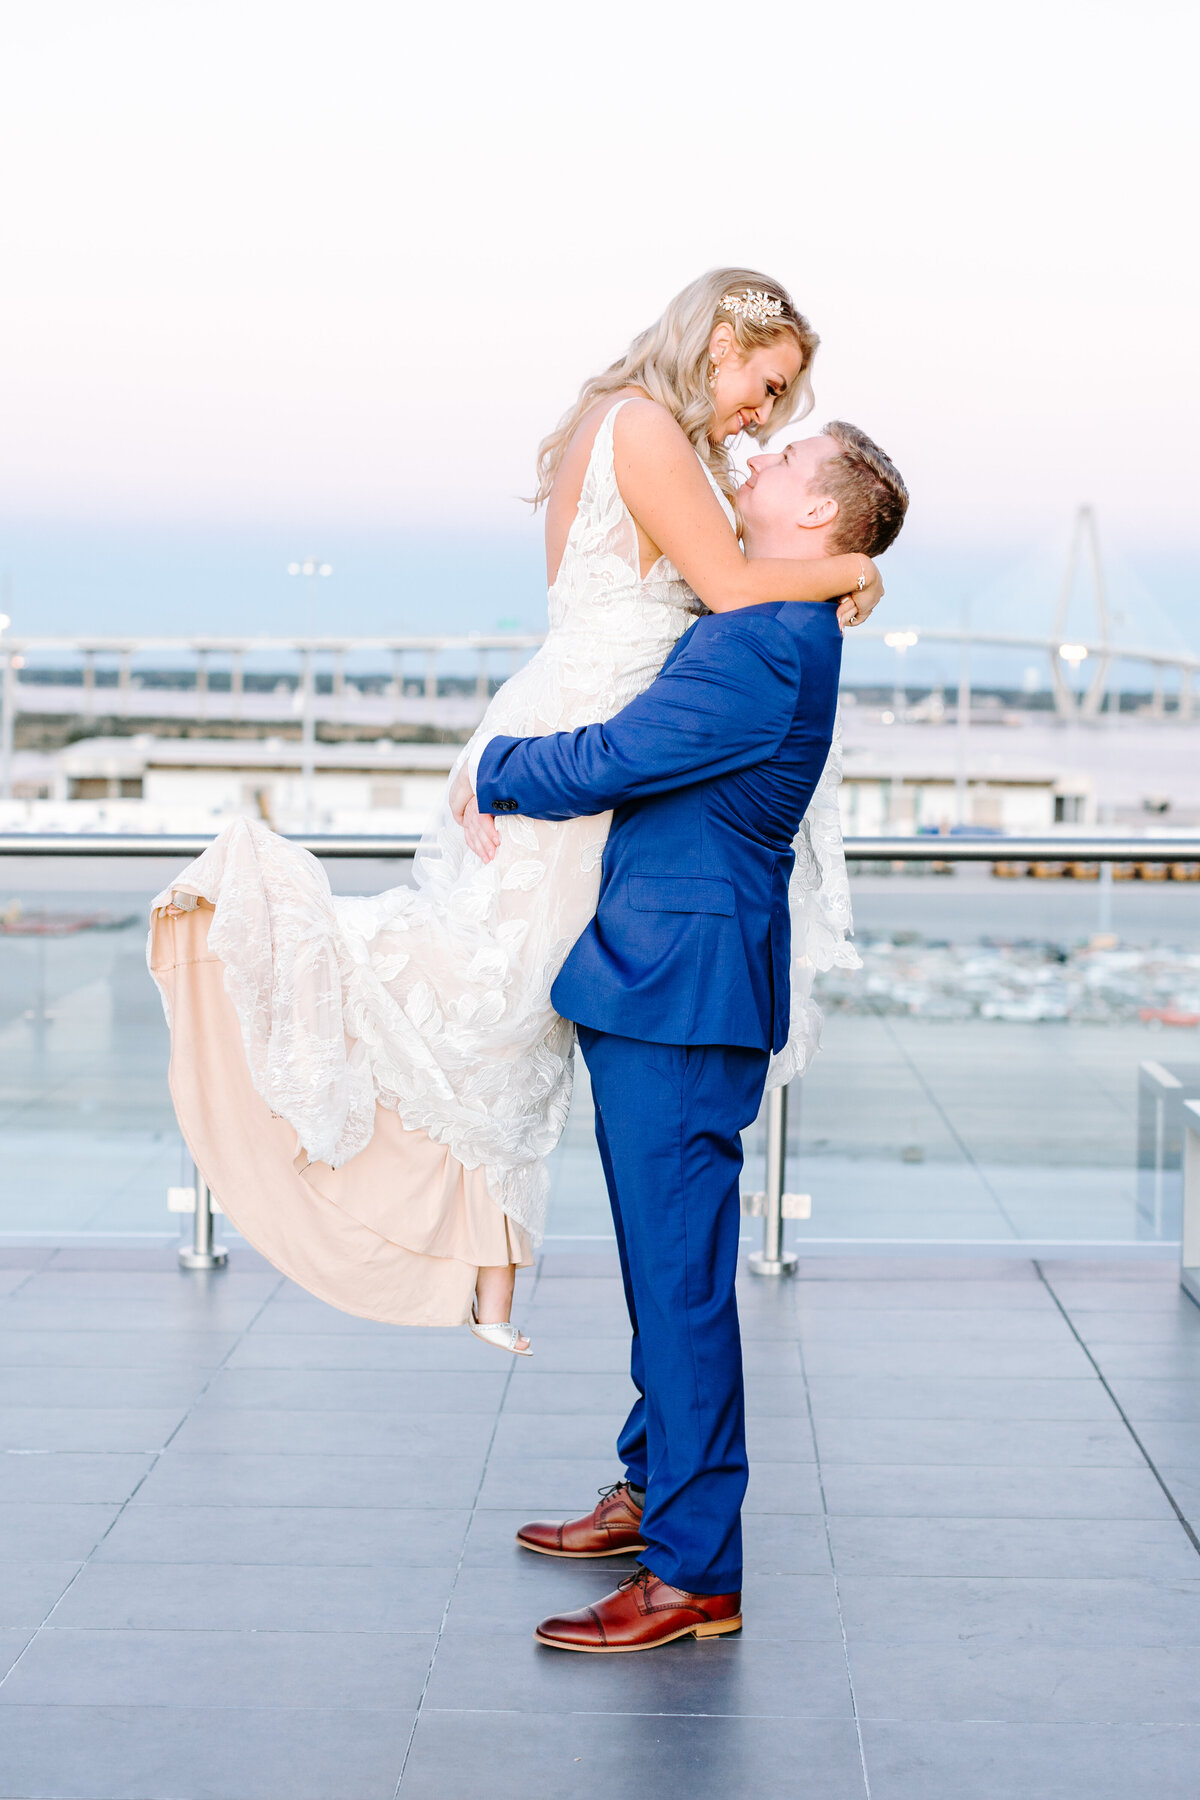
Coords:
110,579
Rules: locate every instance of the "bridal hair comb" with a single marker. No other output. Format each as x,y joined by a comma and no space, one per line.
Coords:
756,306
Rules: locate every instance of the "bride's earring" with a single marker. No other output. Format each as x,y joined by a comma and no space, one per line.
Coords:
714,369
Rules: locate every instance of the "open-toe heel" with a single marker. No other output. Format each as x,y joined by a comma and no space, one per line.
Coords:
500,1337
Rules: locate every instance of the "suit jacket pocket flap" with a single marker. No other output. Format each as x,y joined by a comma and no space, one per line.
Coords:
681,894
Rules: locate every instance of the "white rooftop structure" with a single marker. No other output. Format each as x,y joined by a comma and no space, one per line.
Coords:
194,784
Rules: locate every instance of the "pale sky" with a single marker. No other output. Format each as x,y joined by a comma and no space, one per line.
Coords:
339,266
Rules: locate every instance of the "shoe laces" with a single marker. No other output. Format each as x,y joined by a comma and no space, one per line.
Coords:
641,1577
606,1493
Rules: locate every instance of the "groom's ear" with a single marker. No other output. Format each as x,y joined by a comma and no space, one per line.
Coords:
818,512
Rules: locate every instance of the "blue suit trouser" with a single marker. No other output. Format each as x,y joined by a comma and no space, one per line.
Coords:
668,1124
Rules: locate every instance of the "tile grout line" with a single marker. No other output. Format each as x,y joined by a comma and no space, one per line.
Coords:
1122,1414
116,1194
146,1473
837,1589
39,1269
437,1642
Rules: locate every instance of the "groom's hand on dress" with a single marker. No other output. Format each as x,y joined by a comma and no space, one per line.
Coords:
461,792
479,829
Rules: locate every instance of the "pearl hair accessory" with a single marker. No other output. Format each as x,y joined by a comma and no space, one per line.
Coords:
756,306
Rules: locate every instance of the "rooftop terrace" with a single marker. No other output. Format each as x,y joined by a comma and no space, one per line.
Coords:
258,1550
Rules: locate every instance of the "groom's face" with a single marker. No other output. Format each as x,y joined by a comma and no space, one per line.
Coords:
784,487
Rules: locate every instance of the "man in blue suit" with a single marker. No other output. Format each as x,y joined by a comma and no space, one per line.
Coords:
679,989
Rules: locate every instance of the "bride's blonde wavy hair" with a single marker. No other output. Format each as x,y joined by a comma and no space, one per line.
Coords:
669,361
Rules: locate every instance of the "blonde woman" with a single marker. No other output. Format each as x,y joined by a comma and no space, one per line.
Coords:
371,1085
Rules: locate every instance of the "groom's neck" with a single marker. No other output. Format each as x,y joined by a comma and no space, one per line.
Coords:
785,538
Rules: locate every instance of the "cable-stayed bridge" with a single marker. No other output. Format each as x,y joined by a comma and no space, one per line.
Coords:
1066,616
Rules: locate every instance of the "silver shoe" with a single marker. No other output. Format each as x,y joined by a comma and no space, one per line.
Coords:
501,1337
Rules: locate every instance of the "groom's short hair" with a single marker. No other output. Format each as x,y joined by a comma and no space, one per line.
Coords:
871,495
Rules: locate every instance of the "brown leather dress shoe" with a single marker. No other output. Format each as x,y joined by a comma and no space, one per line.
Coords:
612,1528
643,1613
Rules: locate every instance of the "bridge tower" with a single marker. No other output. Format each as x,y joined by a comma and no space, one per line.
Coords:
1083,558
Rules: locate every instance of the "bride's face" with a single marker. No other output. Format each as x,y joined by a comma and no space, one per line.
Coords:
746,387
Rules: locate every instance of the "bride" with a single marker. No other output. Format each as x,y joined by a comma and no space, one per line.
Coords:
371,1085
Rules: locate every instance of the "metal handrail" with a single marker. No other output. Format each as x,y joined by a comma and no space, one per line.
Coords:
1094,847
1175,847
137,843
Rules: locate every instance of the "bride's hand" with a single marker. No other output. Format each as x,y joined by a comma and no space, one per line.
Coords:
173,910
854,608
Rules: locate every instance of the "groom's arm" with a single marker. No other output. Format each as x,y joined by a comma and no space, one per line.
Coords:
725,702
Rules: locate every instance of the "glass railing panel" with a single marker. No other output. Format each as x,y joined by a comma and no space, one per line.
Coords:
983,1077
87,1131
979,1077
88,1140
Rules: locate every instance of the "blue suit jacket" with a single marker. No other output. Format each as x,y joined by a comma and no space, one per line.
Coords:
708,773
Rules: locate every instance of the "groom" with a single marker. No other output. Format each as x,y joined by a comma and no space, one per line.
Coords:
679,989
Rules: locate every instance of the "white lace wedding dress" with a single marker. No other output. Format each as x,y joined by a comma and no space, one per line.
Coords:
372,1085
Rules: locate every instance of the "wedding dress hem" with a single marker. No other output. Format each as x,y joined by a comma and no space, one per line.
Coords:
397,1234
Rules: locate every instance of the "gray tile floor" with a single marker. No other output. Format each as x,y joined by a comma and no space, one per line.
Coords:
254,1549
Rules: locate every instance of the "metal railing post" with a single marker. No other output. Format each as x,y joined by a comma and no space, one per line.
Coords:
1189,1246
202,1253
773,1259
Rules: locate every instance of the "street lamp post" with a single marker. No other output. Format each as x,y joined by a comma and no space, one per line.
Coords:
1074,655
901,642
310,566
8,708
963,719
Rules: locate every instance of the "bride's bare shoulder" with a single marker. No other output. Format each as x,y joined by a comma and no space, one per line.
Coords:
644,431
640,419
646,425
631,400
568,480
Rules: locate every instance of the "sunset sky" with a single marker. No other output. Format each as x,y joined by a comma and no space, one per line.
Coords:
282,277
